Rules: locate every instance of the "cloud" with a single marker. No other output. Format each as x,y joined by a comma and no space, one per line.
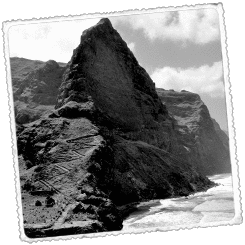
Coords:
131,46
204,79
50,40
198,26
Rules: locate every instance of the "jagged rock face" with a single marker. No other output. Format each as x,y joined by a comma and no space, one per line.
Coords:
201,138
35,87
103,69
109,142
222,134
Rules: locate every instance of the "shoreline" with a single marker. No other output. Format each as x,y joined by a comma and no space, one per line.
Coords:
208,204
143,206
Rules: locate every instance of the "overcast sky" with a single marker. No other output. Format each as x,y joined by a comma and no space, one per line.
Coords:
179,50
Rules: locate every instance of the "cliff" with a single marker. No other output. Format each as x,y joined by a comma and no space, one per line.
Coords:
35,87
223,135
110,141
203,142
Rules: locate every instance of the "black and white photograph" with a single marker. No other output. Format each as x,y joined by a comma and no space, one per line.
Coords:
122,122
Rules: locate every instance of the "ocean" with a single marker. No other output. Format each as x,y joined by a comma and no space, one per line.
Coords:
200,209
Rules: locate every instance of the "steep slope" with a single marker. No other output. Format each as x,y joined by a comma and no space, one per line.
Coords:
223,135
109,142
203,142
35,87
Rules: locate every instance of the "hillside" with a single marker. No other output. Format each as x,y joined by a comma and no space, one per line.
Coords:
35,87
108,139
204,143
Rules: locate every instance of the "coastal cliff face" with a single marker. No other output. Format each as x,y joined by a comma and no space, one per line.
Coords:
110,141
222,134
203,142
35,87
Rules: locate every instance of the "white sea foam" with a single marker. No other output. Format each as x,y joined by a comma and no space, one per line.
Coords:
214,205
221,205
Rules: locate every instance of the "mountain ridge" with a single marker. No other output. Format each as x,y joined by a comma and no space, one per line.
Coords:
203,140
109,142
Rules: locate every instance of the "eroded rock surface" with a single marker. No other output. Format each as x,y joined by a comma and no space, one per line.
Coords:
35,87
204,144
109,142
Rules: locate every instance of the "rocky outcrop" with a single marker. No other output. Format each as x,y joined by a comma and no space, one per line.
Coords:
35,87
109,142
203,142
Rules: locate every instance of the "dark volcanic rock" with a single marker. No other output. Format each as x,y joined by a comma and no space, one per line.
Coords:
109,142
35,87
203,142
104,70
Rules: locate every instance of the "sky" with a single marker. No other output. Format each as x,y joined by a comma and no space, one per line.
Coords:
179,49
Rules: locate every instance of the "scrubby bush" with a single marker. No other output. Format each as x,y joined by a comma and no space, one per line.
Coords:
28,186
29,164
50,202
38,203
